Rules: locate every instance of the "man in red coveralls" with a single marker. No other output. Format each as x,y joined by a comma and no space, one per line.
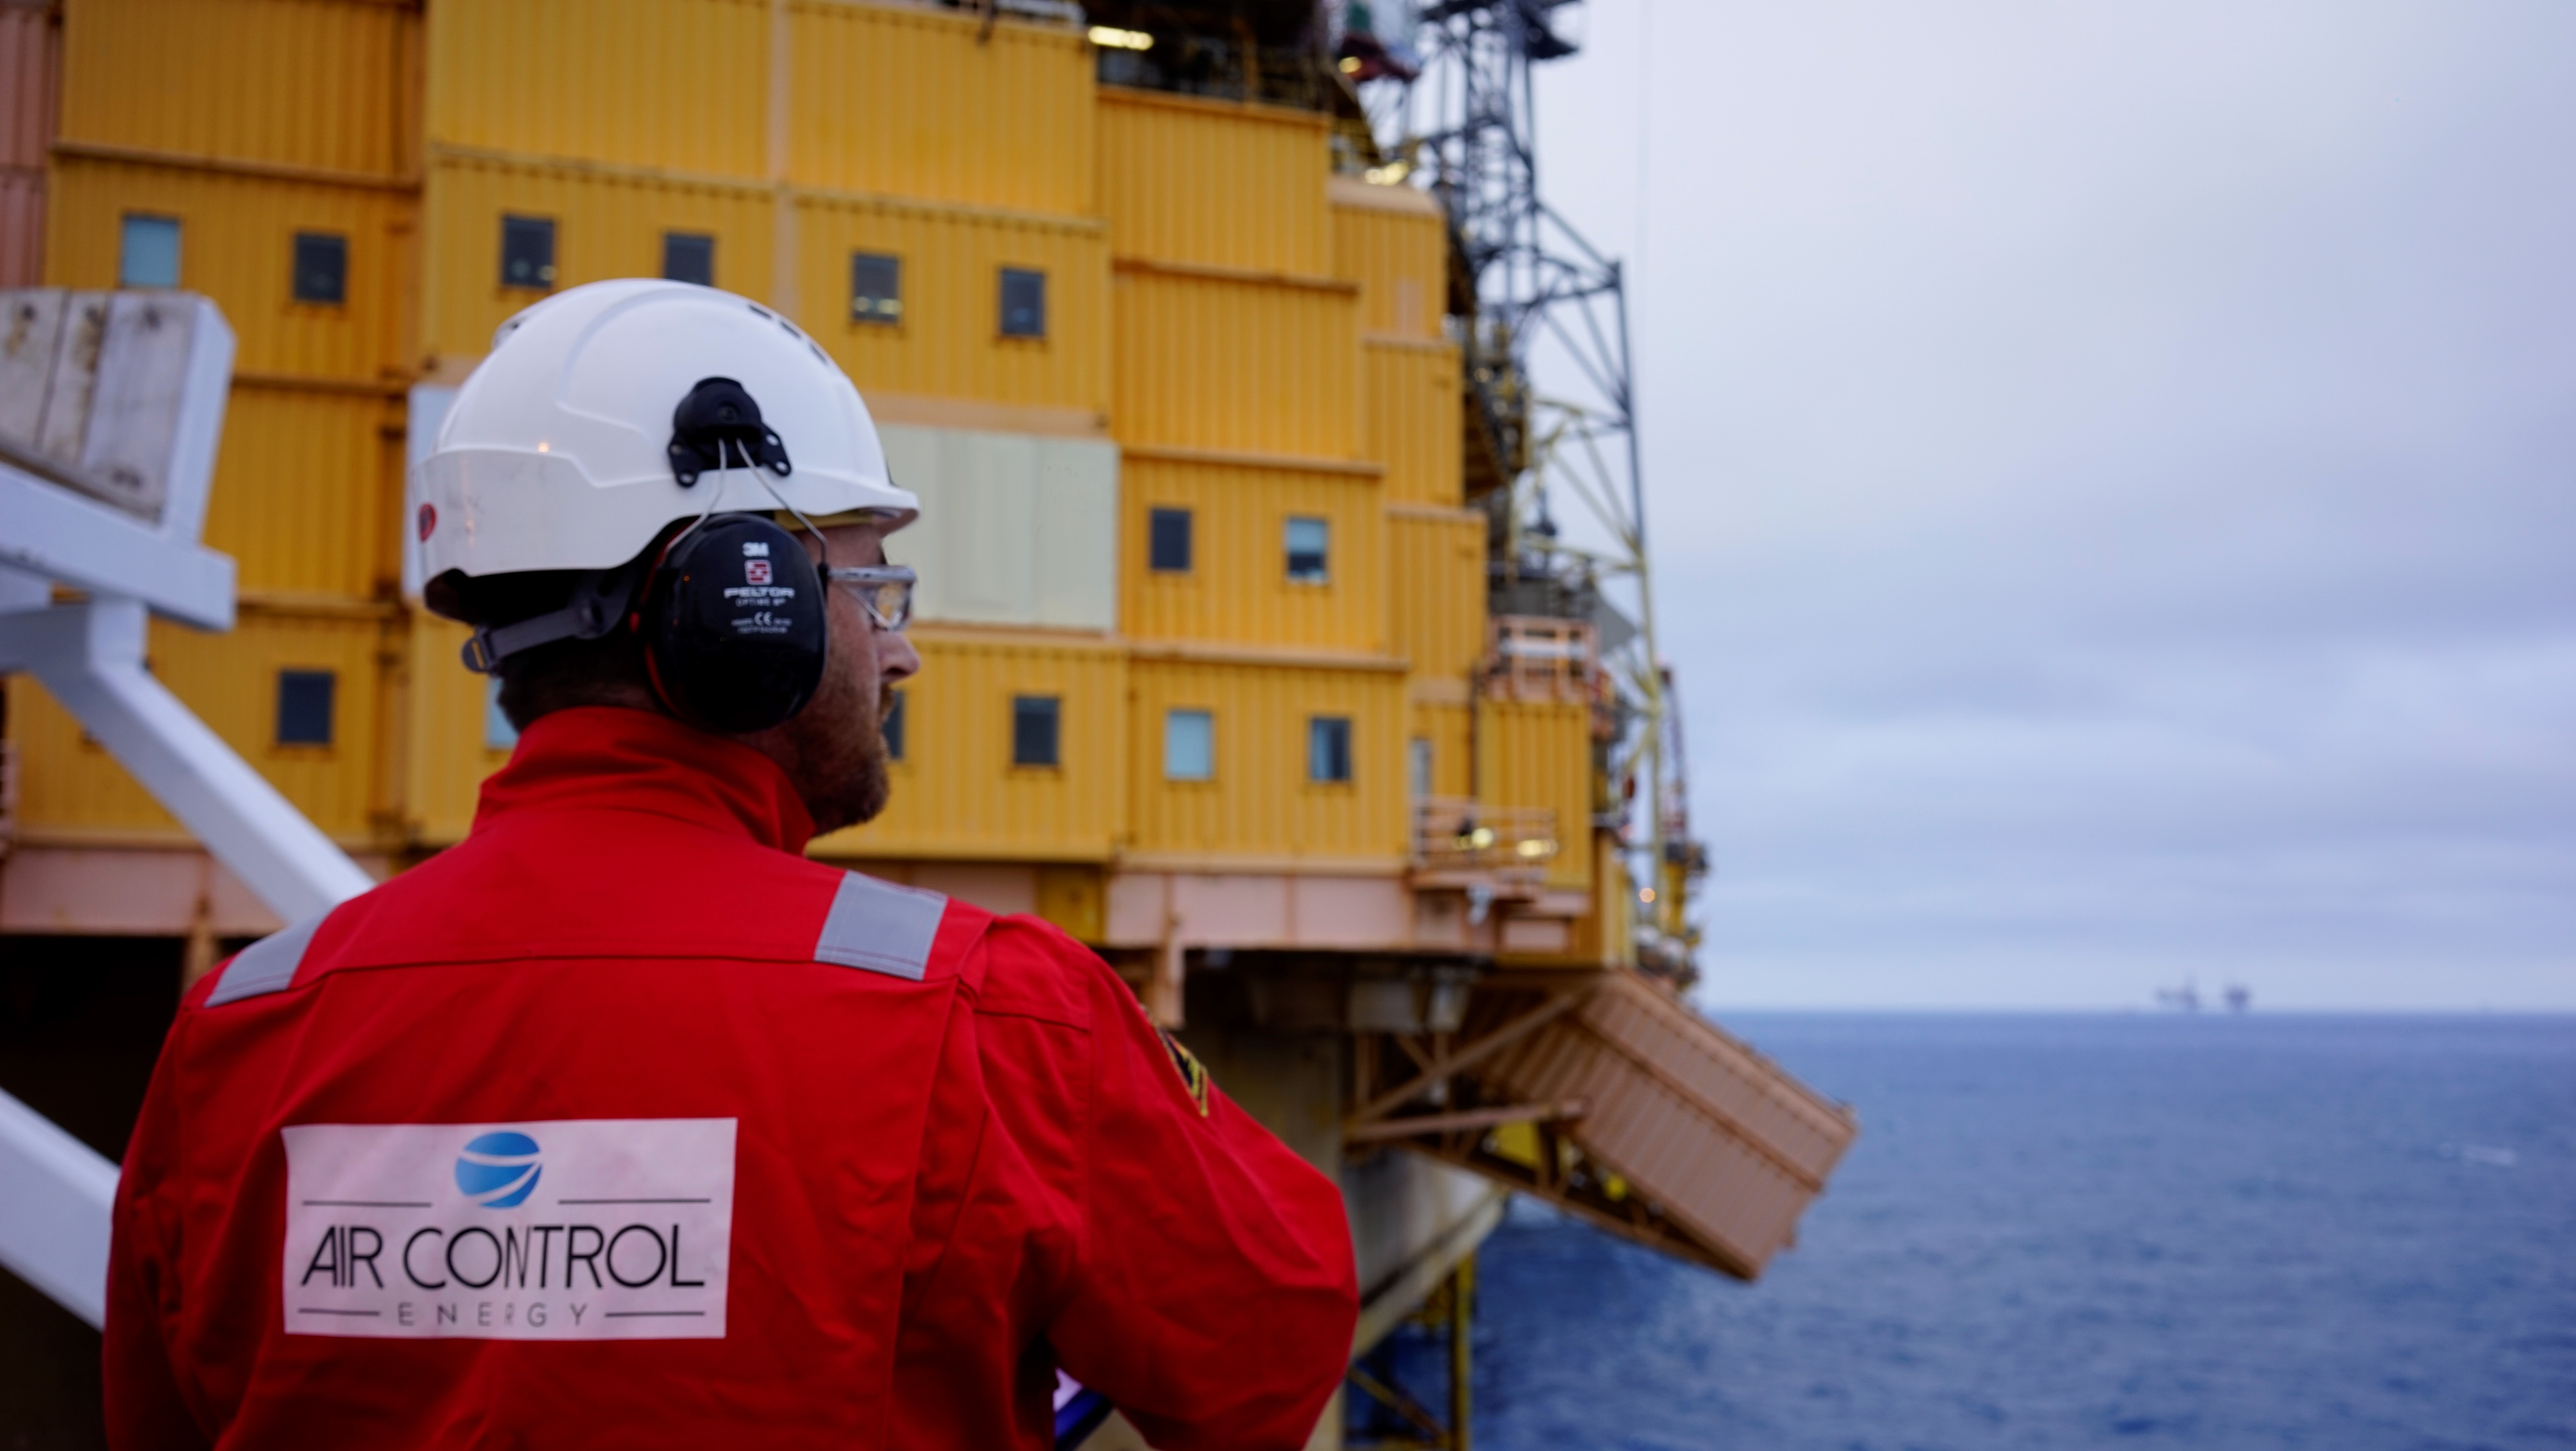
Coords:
623,1123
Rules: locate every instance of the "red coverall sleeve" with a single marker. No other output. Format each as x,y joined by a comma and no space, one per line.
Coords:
1216,1292
145,1409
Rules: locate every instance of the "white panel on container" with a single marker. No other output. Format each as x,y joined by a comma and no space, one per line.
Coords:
1077,529
989,486
1015,529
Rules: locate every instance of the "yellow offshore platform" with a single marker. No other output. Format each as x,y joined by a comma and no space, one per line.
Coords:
1209,677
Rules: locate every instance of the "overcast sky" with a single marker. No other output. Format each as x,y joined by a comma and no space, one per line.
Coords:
2113,470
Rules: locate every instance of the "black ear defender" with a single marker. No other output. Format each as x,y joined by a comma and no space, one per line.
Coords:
733,620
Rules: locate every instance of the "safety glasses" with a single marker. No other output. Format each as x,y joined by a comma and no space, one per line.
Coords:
883,590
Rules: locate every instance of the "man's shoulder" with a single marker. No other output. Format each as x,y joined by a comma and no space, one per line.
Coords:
1035,969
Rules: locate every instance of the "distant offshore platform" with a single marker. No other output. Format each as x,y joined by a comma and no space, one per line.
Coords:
2186,998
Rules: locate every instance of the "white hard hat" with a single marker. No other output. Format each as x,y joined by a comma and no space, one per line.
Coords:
560,452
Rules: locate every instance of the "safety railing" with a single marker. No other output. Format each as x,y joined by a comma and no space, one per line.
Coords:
1455,834
1542,658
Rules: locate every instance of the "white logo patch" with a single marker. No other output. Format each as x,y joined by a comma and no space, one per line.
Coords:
568,1229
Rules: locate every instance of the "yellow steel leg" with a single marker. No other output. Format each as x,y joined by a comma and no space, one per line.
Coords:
1462,1291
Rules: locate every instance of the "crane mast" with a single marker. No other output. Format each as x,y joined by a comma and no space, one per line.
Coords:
1552,413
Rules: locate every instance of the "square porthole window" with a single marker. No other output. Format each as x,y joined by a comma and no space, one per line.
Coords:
498,733
304,699
321,268
689,257
148,252
1328,748
876,288
1035,738
528,253
1309,550
893,727
1023,303
1167,544
1189,745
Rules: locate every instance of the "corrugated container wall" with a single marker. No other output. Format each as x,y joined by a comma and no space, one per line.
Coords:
1443,725
308,488
1394,242
1541,755
237,246
1438,585
1237,586
607,224
1204,362
1261,808
299,83
949,342
29,61
1213,183
1409,411
678,85
898,100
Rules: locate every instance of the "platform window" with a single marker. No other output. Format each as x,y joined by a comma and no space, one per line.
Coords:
893,726
528,253
321,268
304,700
1328,748
876,288
148,252
1189,745
689,257
1035,737
1023,303
1168,542
1418,766
1309,550
498,733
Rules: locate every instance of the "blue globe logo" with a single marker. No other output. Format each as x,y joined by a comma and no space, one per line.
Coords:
499,1171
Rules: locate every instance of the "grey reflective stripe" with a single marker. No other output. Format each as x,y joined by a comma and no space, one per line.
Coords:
880,927
268,965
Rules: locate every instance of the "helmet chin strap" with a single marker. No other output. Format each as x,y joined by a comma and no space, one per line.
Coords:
598,602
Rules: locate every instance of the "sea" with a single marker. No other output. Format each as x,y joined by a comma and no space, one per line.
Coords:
2134,1231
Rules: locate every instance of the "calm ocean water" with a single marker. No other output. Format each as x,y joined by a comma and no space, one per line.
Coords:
2066,1232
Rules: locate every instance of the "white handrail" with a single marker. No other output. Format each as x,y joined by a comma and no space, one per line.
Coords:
55,1194
54,1216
